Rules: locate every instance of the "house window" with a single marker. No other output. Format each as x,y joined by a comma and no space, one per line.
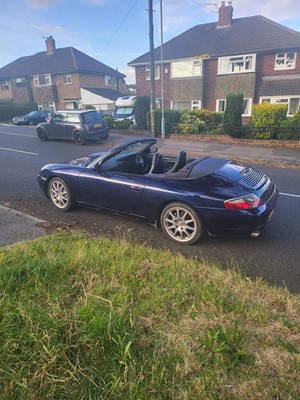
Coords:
197,67
285,61
108,80
19,83
42,80
196,105
186,105
292,103
186,68
236,64
46,107
247,108
156,72
4,85
293,106
221,106
67,78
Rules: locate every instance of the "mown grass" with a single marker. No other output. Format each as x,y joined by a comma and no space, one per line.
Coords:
82,318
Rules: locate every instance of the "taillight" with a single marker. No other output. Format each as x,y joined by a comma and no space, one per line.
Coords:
243,203
86,127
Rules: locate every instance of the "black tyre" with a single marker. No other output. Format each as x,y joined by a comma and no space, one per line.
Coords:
181,223
42,134
60,194
30,122
79,138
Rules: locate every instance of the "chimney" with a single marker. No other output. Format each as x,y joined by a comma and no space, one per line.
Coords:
50,45
225,15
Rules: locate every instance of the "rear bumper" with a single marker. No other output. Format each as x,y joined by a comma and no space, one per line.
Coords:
220,221
96,135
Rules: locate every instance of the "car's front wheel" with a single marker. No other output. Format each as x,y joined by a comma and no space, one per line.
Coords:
79,138
60,194
181,223
42,134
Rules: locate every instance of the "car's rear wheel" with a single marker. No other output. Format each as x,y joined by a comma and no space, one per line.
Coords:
79,138
42,134
60,194
181,223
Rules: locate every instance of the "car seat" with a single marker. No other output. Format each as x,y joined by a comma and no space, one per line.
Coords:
180,162
157,166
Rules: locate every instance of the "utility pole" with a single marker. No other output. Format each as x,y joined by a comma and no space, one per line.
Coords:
152,71
162,73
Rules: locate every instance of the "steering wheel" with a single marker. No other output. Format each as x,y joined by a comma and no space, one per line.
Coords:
141,161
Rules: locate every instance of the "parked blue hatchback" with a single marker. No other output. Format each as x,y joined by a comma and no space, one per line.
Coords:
77,125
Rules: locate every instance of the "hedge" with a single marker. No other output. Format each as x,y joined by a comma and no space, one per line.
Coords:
8,110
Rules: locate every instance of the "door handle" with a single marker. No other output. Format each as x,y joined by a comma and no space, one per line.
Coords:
136,188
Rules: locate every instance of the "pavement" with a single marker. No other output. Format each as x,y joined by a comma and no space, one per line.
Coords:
16,226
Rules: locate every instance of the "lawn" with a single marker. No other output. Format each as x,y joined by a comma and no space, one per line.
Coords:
84,318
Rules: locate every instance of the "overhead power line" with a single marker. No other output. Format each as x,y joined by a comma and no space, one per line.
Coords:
120,25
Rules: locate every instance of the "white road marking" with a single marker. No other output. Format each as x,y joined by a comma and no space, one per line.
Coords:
16,134
290,195
19,151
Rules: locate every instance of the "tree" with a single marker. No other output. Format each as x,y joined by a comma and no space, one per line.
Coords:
233,113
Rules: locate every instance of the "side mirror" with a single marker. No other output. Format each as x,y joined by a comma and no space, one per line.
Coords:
153,149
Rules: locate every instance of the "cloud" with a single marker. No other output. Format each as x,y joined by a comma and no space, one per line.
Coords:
287,9
130,74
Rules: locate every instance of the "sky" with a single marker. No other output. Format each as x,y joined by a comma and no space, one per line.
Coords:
116,32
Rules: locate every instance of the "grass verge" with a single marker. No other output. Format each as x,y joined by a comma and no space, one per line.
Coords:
82,318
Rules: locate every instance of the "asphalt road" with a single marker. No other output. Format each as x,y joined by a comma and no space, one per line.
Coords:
273,256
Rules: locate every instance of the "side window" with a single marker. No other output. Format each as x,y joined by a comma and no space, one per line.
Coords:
72,118
58,117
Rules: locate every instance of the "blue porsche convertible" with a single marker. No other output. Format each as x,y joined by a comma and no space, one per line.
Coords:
186,197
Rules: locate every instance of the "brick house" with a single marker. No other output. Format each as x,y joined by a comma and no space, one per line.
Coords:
253,56
53,79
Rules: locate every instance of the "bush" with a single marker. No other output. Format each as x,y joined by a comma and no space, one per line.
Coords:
290,128
109,120
268,117
89,107
218,117
188,123
124,124
205,116
233,113
171,119
198,121
142,106
9,110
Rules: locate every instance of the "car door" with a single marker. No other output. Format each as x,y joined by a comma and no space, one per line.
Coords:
72,120
112,190
56,128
